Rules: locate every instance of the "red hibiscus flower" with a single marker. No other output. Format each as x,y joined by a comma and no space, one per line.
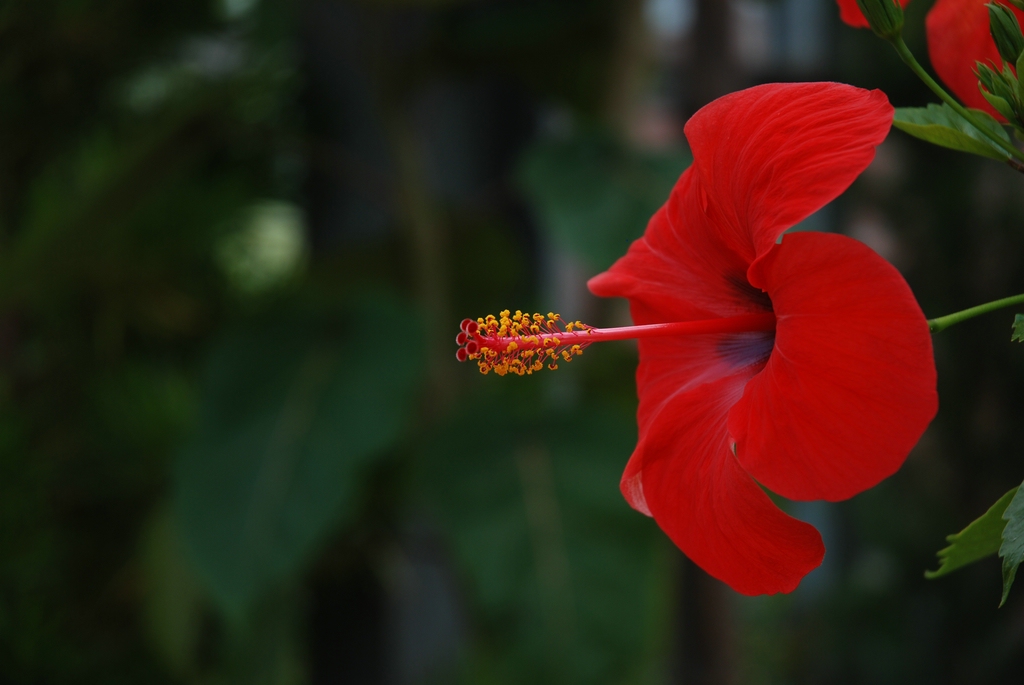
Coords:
958,37
850,13
821,402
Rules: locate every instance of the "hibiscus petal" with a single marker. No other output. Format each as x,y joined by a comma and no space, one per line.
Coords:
850,13
958,36
850,386
713,511
681,270
671,366
772,155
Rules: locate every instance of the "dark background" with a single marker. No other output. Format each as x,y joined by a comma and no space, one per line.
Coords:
236,239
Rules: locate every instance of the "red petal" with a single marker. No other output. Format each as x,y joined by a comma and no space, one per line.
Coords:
850,13
770,156
680,270
850,385
959,36
672,366
708,506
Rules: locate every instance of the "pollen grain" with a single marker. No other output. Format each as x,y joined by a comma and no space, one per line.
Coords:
520,342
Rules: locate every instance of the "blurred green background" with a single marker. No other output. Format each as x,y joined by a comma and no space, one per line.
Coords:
236,240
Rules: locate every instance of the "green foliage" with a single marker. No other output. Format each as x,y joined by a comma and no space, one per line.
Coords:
140,407
940,125
1012,548
1018,328
292,417
884,16
267,648
260,651
107,214
981,538
174,603
1000,529
1006,32
1002,90
1017,66
562,571
594,195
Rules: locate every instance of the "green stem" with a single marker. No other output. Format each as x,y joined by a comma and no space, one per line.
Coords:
910,61
943,322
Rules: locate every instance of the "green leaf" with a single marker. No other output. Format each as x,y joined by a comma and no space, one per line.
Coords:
1001,105
1012,548
1018,328
291,418
884,16
141,407
557,563
978,540
940,125
1005,31
594,195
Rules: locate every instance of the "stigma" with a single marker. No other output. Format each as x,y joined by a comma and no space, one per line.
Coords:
522,343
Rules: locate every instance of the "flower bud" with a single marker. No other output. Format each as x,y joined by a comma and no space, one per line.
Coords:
884,16
1000,89
1006,32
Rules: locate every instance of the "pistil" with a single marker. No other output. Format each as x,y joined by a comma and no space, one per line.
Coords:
523,343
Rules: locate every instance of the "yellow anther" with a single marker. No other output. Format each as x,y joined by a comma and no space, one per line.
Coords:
522,343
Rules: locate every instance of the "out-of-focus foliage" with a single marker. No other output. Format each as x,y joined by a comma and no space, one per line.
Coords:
136,136
204,406
596,195
174,604
291,420
564,577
